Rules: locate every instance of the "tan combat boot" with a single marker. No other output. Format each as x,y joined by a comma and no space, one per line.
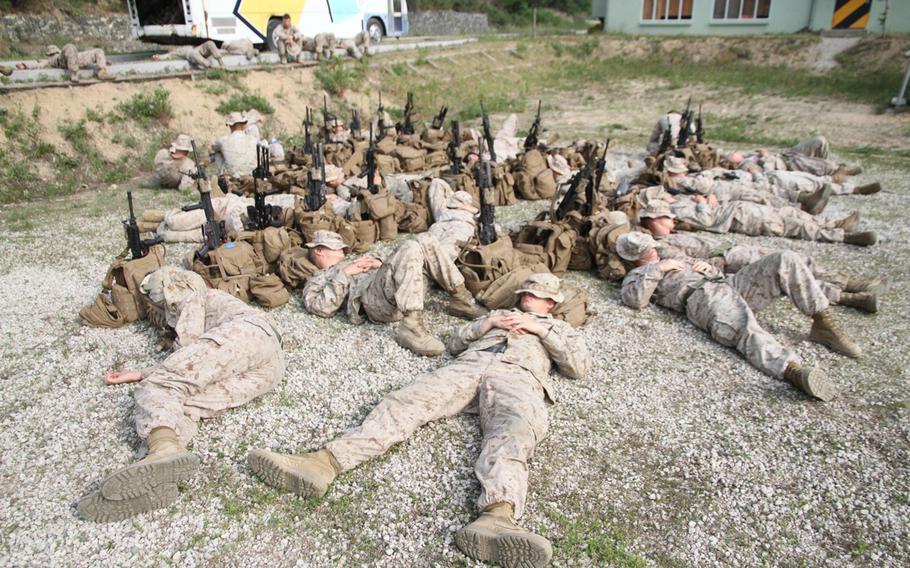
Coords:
74,76
859,284
813,381
815,202
839,176
6,70
861,239
101,73
94,507
462,304
848,222
868,189
494,537
413,335
307,475
826,332
851,170
865,301
167,462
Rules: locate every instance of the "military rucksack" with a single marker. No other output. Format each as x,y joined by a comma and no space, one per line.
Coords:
533,177
556,239
229,268
295,267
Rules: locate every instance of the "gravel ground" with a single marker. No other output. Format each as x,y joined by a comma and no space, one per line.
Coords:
672,452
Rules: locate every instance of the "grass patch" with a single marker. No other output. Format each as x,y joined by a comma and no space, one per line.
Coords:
337,76
495,103
598,542
746,128
74,132
145,107
241,102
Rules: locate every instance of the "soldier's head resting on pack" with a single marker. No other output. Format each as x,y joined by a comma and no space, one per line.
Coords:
657,218
471,158
676,166
736,158
326,249
236,121
540,293
638,248
286,21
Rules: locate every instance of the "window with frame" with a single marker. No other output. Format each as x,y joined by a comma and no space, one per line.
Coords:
666,10
742,9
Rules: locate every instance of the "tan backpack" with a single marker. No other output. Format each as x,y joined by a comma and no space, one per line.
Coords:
269,290
412,218
229,268
574,307
500,294
410,159
295,267
602,241
533,178
482,264
557,240
120,300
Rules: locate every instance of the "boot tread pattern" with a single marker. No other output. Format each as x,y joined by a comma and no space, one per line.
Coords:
140,478
94,507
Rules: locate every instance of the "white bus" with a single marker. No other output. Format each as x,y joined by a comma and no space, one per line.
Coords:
194,21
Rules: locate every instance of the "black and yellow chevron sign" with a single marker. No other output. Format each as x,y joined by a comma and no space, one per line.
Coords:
851,14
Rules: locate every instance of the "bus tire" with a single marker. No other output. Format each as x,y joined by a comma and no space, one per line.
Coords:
376,29
270,43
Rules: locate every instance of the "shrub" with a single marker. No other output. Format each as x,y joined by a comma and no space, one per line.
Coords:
240,102
149,106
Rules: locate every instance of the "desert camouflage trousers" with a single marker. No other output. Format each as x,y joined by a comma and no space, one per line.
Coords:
813,156
206,378
73,60
789,184
513,418
831,282
757,220
401,282
726,309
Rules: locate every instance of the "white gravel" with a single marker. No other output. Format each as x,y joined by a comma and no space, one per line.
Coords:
674,449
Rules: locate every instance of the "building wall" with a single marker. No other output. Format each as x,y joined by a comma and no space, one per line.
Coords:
786,16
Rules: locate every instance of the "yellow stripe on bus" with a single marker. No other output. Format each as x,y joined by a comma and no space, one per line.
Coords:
258,12
846,10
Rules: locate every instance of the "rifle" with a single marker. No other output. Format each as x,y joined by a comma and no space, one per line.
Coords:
572,193
381,122
326,131
138,247
486,231
454,148
591,191
685,125
213,232
307,137
532,139
440,119
407,127
699,128
486,132
370,160
261,215
666,141
315,197
355,123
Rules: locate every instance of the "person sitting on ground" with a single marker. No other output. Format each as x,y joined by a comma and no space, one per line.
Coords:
724,306
202,56
389,291
289,40
503,369
226,354
234,154
173,165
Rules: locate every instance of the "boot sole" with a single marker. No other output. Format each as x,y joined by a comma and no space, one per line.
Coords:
424,352
853,354
140,478
820,387
822,201
508,550
94,507
272,473
466,315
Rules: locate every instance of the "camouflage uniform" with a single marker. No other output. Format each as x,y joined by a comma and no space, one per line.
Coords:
228,354
171,173
240,47
72,59
290,43
670,120
812,156
200,56
506,377
787,183
724,308
324,45
756,219
398,286
705,183
730,258
235,154
359,45
452,225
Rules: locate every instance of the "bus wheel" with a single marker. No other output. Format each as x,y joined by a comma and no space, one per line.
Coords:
375,29
271,43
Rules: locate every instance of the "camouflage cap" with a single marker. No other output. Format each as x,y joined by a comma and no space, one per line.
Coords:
333,172
235,118
183,143
51,50
461,200
617,218
559,164
676,165
328,239
253,115
632,246
542,285
168,286
656,208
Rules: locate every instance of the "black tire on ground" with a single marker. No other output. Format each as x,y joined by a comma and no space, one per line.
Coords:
270,43
376,29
